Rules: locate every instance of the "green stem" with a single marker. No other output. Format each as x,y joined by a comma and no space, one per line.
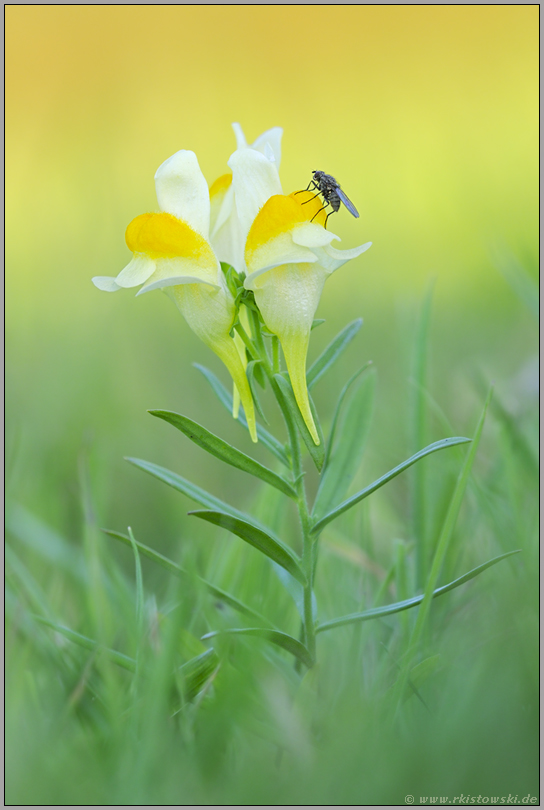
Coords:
298,479
247,340
305,522
257,335
276,365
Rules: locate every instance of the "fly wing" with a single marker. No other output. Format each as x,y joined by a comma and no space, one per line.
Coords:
347,202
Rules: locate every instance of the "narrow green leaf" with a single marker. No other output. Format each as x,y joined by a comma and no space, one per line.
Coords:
224,451
251,368
332,352
270,546
187,487
288,643
316,451
269,441
118,658
396,607
345,457
178,571
316,322
192,491
364,493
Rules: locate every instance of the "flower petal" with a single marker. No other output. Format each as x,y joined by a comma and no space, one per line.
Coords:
210,314
182,191
227,238
288,297
280,231
331,259
276,253
241,142
255,179
271,138
308,234
106,283
180,270
241,349
221,202
136,272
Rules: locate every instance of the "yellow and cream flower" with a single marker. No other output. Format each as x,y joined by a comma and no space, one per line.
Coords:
235,199
237,196
172,251
288,259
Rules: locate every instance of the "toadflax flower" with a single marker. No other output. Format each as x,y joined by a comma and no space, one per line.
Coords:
287,257
233,210
172,251
234,202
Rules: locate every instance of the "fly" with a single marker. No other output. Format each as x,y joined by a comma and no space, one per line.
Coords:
332,194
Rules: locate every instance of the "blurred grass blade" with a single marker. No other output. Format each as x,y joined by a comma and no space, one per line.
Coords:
527,451
288,643
224,451
419,436
424,670
196,673
445,536
118,658
42,539
316,451
338,408
345,457
139,583
225,398
332,352
396,607
16,569
432,448
519,280
178,571
270,546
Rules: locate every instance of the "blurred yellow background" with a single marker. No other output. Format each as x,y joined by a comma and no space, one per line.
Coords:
426,114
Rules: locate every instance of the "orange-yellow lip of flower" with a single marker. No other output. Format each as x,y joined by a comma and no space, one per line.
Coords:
280,214
311,204
165,236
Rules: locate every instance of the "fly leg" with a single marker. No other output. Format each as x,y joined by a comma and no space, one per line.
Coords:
310,184
318,212
311,198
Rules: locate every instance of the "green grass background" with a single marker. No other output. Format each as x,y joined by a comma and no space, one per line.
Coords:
428,118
